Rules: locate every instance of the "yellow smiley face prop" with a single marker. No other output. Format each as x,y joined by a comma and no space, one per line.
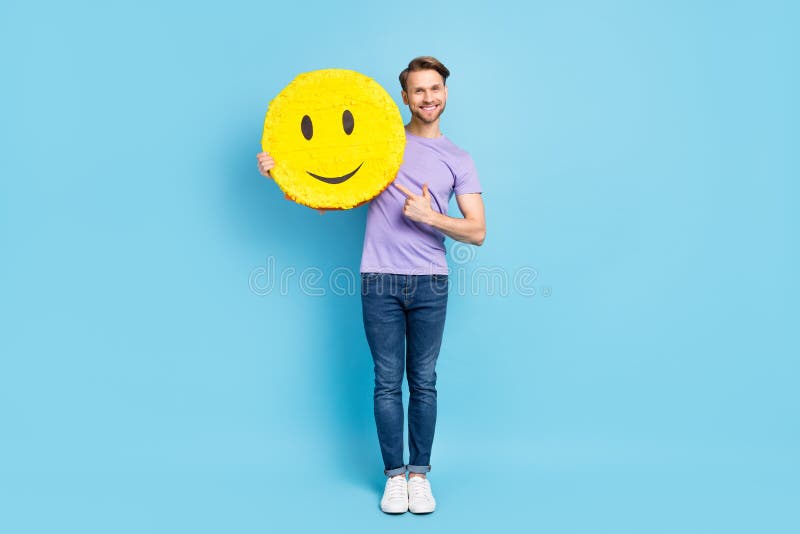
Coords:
337,139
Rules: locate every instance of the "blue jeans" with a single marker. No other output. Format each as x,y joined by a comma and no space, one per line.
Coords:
404,320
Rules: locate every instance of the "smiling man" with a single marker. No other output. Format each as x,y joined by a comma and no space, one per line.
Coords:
405,280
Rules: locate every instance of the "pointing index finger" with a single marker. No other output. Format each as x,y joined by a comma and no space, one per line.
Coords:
405,191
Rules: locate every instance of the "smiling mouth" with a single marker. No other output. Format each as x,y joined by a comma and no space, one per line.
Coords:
337,179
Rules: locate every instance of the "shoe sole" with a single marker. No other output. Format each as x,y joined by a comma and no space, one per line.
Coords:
394,512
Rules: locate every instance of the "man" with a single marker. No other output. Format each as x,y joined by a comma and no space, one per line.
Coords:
404,279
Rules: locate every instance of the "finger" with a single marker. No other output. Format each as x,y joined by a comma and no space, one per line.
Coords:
425,192
405,191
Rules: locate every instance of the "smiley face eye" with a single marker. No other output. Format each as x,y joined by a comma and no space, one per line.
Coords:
306,127
348,123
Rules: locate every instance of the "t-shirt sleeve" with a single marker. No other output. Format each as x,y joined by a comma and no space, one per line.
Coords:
467,178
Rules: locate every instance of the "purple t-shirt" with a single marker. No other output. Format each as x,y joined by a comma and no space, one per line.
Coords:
393,243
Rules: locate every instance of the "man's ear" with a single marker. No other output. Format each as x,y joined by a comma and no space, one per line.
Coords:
405,97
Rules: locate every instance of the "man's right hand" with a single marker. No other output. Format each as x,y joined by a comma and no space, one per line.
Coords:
265,163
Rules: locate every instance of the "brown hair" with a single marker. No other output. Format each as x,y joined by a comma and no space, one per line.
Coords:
423,63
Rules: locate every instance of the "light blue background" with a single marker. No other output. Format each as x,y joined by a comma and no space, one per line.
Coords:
642,157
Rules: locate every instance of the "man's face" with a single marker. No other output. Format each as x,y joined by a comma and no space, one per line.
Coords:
426,95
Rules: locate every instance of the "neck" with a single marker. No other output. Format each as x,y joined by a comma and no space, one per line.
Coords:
421,129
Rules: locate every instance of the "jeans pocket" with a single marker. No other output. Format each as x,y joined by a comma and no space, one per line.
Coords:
370,283
440,283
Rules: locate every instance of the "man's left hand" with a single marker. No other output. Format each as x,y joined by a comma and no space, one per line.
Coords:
418,207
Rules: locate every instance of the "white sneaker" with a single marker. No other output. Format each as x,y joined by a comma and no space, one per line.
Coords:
420,498
395,495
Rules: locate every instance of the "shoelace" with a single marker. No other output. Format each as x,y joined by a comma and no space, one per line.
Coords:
420,488
396,488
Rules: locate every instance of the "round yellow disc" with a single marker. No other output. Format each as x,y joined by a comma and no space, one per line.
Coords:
337,139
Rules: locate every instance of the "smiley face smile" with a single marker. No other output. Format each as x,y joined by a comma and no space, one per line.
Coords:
336,180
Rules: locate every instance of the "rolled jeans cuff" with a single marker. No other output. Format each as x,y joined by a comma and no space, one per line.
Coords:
395,471
418,468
